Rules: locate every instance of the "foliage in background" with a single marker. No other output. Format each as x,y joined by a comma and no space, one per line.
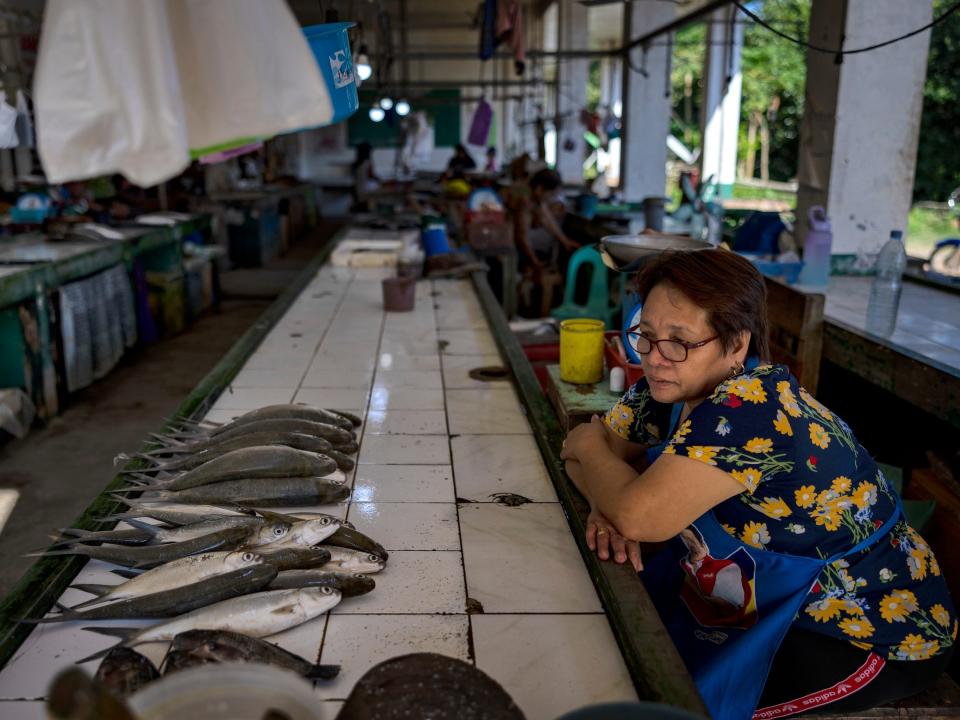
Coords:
686,80
938,158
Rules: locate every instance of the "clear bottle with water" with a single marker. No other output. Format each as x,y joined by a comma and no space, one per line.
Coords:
886,287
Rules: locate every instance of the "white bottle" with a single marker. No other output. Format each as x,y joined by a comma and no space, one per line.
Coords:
886,287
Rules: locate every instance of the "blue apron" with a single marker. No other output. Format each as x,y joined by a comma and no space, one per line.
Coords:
728,605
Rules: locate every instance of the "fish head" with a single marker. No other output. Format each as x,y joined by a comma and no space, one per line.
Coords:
355,584
359,562
311,532
317,600
242,559
270,533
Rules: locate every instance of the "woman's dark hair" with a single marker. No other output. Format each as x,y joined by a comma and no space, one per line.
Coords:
725,284
547,179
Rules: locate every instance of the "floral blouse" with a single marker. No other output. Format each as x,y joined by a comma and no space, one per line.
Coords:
809,489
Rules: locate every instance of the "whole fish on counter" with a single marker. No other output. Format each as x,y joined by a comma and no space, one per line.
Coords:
173,513
150,555
199,647
194,441
147,534
349,584
353,561
266,492
346,537
265,461
176,601
173,574
260,615
163,462
124,671
301,412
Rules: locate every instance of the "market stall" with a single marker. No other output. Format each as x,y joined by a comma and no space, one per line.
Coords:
457,477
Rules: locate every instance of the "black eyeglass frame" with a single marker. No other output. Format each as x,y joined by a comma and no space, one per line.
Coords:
687,347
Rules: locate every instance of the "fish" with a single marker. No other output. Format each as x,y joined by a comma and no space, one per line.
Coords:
306,533
176,601
349,416
199,647
124,671
349,584
342,559
344,462
150,555
74,695
345,536
301,412
172,513
259,614
295,558
188,461
173,574
195,441
349,447
265,461
266,492
147,534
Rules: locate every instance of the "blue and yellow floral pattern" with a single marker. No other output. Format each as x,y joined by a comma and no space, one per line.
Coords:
809,489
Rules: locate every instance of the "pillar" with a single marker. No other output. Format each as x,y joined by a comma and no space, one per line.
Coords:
722,86
572,76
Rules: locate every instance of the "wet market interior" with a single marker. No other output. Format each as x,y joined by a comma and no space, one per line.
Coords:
546,359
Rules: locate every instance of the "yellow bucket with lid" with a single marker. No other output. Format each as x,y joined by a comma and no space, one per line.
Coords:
581,351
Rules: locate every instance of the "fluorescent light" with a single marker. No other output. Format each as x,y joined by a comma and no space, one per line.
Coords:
402,108
386,102
377,114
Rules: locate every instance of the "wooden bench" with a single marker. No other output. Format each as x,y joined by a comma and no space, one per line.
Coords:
795,318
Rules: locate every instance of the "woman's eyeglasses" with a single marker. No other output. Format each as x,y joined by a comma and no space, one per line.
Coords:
672,350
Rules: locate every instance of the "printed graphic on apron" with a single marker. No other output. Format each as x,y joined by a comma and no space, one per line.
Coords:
719,592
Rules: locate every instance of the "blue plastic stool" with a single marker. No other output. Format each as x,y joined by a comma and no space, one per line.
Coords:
598,304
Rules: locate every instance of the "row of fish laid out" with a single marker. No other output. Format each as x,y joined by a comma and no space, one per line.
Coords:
202,553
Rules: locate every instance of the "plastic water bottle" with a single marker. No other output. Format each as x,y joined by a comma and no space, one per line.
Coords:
816,249
886,287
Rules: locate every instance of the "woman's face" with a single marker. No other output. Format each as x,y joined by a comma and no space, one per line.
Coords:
668,314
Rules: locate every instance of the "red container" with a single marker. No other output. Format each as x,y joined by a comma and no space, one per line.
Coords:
633,372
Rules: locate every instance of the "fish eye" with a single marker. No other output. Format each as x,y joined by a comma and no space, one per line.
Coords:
358,576
326,590
248,556
325,521
279,530
373,558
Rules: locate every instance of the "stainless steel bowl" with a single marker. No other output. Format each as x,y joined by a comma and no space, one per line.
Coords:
625,253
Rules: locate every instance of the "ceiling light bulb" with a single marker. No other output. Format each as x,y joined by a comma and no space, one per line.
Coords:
377,114
386,103
402,108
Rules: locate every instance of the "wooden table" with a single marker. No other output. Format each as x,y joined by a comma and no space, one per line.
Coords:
576,404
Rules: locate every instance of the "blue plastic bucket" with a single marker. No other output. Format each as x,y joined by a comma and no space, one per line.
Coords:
331,47
435,240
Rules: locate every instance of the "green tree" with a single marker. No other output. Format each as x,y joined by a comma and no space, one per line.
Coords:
686,80
774,79
938,155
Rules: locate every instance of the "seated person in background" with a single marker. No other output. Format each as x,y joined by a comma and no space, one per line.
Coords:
538,221
365,181
491,164
460,163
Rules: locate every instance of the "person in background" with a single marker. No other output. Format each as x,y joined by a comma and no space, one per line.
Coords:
491,165
460,163
538,220
365,181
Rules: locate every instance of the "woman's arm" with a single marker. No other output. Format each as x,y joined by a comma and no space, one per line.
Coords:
651,507
548,221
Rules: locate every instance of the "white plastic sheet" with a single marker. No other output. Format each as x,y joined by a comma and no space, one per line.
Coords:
132,86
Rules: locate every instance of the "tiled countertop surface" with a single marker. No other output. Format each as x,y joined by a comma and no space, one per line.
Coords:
436,446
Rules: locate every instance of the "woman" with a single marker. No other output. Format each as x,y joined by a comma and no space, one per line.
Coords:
794,582
365,180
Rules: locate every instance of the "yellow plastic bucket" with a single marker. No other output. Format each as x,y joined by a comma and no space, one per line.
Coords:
581,351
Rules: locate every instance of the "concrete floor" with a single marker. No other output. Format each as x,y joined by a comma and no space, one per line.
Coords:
59,469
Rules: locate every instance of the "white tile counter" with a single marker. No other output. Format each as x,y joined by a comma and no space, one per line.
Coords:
435,448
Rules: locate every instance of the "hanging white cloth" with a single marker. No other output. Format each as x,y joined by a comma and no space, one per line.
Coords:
133,86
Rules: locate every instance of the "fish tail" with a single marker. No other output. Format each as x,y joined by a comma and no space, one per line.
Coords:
127,573
81,550
323,672
141,525
93,589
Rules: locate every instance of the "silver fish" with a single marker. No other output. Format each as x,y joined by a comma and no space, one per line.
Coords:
349,584
266,492
147,534
353,561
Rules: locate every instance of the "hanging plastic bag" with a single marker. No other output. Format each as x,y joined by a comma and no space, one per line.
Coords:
133,86
24,122
480,125
8,124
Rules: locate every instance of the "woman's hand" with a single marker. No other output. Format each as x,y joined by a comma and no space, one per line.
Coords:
585,439
603,537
